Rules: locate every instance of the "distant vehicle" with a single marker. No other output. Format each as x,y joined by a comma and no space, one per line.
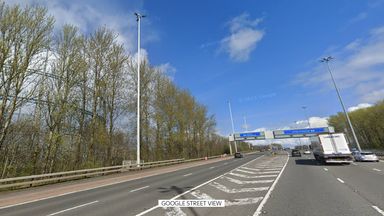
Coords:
295,153
307,152
331,148
238,155
365,156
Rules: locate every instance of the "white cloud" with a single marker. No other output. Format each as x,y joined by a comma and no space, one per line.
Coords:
358,68
89,15
359,106
167,69
243,37
318,121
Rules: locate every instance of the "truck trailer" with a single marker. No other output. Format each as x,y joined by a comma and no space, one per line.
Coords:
331,148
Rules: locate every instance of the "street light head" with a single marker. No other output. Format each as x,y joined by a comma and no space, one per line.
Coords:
326,59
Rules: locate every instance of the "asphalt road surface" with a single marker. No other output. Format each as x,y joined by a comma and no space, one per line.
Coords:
254,185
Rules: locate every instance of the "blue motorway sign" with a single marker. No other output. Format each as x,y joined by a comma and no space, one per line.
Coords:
253,134
305,131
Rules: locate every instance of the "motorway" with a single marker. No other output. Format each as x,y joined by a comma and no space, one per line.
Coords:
254,185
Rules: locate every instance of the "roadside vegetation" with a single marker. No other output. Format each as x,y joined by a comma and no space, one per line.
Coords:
68,101
368,125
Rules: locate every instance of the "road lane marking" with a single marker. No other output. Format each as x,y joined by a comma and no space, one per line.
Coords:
354,164
200,195
246,182
242,190
266,197
378,210
249,172
376,170
174,211
325,169
137,189
225,163
211,167
246,176
244,201
187,174
340,180
266,169
75,207
198,186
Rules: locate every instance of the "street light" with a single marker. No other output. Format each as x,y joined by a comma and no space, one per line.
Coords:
138,19
326,60
233,127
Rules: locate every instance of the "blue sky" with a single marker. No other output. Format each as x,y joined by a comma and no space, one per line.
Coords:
261,55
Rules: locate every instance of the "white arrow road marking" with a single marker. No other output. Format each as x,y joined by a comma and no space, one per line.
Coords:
252,169
246,176
244,201
199,195
250,172
175,211
247,182
227,190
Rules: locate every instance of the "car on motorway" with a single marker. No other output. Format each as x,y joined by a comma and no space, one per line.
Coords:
296,153
307,152
365,156
239,155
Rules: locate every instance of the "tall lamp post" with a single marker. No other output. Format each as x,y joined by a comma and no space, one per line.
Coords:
138,19
233,127
326,61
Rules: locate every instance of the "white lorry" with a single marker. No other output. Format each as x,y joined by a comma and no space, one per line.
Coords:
331,148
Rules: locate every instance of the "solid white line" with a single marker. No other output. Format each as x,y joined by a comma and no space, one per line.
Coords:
187,174
139,189
258,210
377,170
79,206
340,180
378,210
188,191
325,169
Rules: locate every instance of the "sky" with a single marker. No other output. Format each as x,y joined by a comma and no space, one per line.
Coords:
262,56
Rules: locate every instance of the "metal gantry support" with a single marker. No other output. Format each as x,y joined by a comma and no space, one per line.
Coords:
138,19
326,61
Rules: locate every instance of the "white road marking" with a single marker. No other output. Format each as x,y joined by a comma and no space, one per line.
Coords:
137,189
246,176
376,170
242,190
378,210
68,209
354,163
244,201
340,180
247,182
266,197
258,173
211,167
225,163
198,186
325,169
252,169
174,211
187,174
200,195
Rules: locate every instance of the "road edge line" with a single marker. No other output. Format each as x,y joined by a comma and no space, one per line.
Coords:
266,197
198,186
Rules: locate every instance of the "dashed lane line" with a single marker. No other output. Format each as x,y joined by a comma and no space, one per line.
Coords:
137,189
325,169
376,170
340,180
187,174
378,210
75,207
